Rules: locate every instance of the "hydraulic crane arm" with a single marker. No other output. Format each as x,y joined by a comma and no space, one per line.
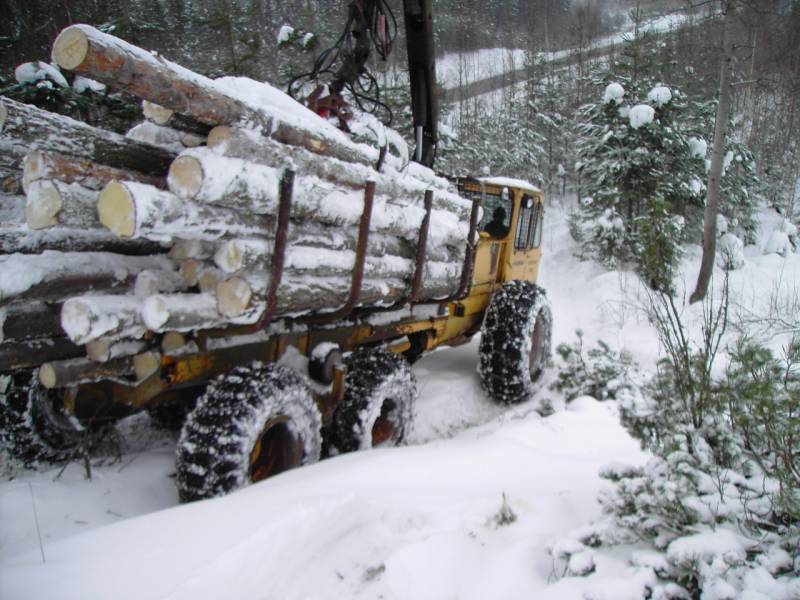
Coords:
422,74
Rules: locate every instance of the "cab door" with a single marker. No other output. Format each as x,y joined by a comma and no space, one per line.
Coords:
525,252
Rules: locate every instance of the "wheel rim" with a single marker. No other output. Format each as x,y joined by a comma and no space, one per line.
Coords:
277,449
537,345
384,429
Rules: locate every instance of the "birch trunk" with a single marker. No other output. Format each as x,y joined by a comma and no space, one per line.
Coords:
717,159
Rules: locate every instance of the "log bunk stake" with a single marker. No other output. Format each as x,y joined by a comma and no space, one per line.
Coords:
279,253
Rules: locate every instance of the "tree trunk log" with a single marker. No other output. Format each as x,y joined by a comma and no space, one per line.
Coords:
105,349
87,318
181,312
21,321
136,210
164,137
169,118
34,352
29,128
55,275
20,238
248,145
75,371
150,282
69,169
183,249
53,203
91,53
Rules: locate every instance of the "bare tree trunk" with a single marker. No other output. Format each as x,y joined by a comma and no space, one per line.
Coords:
717,154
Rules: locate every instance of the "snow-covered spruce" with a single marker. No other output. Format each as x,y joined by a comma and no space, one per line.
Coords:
515,342
379,401
251,423
33,426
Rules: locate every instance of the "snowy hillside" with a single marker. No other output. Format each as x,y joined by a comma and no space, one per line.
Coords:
424,521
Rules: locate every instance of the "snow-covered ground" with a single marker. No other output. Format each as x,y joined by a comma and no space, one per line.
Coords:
406,523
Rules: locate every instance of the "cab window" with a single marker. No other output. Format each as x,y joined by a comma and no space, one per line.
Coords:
497,210
538,221
524,223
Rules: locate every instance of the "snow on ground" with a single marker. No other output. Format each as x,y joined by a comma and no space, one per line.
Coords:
405,523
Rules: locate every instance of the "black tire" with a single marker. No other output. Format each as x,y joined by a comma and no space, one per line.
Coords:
251,423
34,426
379,401
515,342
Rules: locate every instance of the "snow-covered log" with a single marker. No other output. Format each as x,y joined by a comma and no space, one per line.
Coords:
213,179
108,59
70,169
151,282
183,249
105,349
54,275
242,298
164,137
33,352
50,203
29,128
87,318
20,238
25,320
169,118
245,144
74,371
181,312
132,209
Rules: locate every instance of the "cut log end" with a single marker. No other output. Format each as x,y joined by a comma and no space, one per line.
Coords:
47,376
219,135
3,115
173,340
32,169
70,48
156,113
117,210
185,176
146,364
233,297
43,205
99,350
154,312
76,320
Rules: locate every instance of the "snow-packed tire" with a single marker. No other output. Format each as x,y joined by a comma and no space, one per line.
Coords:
515,342
34,427
250,424
379,401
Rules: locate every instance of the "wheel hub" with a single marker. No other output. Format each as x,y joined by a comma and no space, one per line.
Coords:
277,449
384,430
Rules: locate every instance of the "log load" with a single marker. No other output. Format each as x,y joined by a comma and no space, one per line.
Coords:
89,52
29,128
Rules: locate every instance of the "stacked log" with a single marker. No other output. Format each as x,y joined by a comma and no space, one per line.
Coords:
183,213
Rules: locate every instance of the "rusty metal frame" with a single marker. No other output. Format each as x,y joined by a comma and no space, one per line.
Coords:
279,251
469,255
358,267
422,249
